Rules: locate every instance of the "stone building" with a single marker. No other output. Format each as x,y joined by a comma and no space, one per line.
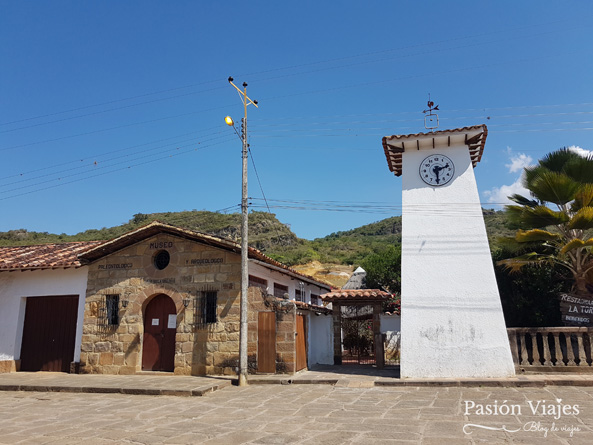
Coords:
162,298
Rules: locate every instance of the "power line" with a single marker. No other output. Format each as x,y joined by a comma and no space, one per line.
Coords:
107,172
112,128
106,111
547,25
93,160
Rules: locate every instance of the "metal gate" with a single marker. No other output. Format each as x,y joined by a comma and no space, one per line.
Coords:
358,346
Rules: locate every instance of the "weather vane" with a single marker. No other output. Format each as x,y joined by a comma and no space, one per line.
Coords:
431,120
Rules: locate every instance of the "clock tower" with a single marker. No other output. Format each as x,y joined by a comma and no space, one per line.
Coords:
452,321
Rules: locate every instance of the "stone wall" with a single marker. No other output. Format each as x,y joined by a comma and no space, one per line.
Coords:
130,273
286,312
9,366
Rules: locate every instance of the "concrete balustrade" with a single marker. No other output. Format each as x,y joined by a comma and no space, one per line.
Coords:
551,349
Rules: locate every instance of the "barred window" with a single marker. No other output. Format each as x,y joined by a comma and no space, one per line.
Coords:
209,300
315,299
112,309
280,290
298,295
258,282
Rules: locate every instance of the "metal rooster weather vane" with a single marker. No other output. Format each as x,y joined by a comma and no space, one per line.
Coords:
431,120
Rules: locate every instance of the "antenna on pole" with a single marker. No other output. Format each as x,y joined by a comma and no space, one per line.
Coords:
431,120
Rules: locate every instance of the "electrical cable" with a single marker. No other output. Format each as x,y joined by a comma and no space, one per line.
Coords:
108,172
292,67
262,189
92,163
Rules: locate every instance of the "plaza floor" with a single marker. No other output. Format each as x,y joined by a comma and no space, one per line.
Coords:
299,414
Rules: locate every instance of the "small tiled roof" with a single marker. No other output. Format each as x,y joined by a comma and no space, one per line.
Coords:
474,137
345,295
44,256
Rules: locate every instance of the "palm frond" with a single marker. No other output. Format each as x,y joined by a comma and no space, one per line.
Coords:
511,245
584,197
571,245
525,236
522,200
583,219
580,169
556,161
514,265
557,188
542,216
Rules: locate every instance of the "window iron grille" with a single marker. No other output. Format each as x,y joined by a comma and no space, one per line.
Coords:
205,308
258,282
280,290
112,309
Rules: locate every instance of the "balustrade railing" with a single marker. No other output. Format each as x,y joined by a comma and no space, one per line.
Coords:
551,349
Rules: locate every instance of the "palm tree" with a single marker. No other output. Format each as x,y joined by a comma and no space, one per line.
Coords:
556,223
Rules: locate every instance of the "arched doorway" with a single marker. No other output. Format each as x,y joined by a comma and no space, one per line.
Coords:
160,326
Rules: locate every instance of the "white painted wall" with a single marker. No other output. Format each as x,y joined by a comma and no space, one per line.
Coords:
320,340
452,322
15,287
275,276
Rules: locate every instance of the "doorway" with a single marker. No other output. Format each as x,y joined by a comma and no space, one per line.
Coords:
266,342
301,343
160,327
49,333
358,346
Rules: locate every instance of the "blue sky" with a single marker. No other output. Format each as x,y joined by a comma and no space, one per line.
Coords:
108,109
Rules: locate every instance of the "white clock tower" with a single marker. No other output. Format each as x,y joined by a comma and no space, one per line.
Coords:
452,321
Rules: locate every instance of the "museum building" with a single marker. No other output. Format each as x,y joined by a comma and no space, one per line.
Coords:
159,298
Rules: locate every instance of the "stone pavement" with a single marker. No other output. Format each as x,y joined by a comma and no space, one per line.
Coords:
302,414
342,376
145,384
368,376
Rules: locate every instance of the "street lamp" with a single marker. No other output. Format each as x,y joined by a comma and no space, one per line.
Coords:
244,234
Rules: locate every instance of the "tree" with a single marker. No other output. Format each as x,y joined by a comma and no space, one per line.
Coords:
556,223
529,298
384,269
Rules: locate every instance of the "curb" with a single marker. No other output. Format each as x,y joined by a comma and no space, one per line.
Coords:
195,392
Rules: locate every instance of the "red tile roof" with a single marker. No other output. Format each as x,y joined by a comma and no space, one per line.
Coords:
345,295
44,256
394,146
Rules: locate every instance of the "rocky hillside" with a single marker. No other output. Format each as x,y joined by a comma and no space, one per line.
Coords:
266,233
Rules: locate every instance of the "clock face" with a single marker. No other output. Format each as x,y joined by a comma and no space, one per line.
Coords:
437,170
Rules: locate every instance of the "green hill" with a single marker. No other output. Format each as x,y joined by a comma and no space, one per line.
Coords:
266,233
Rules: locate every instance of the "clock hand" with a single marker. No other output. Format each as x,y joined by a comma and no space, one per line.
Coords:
436,169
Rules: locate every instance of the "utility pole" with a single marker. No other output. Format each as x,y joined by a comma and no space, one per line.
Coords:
244,233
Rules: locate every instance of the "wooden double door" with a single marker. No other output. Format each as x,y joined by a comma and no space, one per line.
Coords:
49,333
266,343
160,327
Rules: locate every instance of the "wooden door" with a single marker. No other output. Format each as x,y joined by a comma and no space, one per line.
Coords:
301,343
266,342
160,326
49,333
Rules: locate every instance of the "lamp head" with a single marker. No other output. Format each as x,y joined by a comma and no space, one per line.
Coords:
229,121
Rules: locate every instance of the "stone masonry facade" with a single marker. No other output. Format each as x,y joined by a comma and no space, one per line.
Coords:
285,340
131,274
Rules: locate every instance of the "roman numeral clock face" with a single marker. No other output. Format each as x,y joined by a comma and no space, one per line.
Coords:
437,170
